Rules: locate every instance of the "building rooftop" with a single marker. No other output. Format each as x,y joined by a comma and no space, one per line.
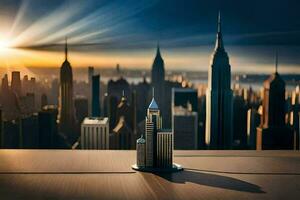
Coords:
95,120
153,105
100,174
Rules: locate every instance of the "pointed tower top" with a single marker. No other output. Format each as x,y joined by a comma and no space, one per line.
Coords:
153,105
158,49
219,22
66,48
153,92
219,41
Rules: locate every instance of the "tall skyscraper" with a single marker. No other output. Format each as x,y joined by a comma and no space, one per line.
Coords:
16,82
158,79
96,96
273,133
66,114
90,92
95,133
219,98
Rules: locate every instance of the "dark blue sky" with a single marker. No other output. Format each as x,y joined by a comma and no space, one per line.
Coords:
130,25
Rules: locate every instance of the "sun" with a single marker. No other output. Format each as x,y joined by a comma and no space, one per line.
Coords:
4,45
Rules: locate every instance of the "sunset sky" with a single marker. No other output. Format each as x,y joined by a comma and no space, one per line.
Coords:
105,32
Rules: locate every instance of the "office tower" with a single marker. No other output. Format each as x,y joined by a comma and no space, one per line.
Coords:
26,104
29,133
44,100
16,83
81,108
164,154
32,85
184,96
112,107
120,137
54,92
66,105
240,122
295,116
253,121
96,96
4,91
11,134
114,95
95,133
25,84
185,128
4,85
90,78
273,132
116,87
219,98
47,127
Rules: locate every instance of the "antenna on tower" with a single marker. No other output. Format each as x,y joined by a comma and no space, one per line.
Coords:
153,92
276,62
219,22
66,48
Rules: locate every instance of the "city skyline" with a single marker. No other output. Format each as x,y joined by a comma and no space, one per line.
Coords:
104,33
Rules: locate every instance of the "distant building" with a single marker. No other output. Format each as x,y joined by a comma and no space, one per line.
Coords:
219,98
185,128
66,114
96,96
95,133
44,100
239,116
81,108
29,132
47,127
253,121
90,78
16,83
295,116
120,137
273,133
183,96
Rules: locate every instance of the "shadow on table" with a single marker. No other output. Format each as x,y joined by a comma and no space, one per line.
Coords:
212,180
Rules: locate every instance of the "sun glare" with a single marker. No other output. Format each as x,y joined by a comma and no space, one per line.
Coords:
4,45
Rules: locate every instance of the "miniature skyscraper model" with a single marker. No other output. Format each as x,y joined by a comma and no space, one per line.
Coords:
219,98
155,152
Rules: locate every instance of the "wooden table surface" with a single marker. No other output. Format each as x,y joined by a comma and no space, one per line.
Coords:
88,174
